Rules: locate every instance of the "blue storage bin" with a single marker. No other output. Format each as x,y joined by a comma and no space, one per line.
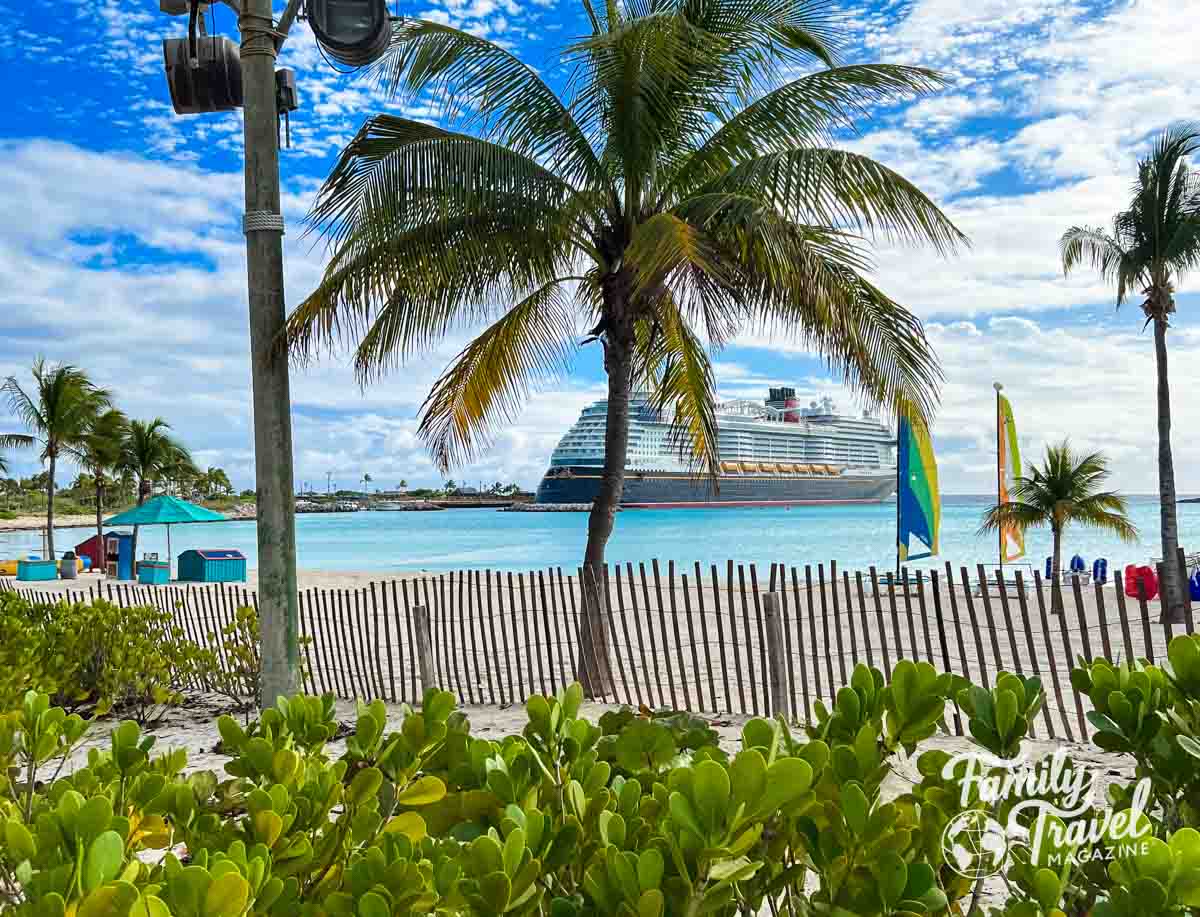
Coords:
213,566
153,573
35,571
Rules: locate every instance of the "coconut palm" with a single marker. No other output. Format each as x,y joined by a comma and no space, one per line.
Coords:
1153,243
1064,491
100,455
150,454
683,191
58,411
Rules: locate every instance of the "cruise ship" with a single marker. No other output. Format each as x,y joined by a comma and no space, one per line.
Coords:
773,453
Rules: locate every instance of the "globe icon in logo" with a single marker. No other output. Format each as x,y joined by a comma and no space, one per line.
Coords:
975,845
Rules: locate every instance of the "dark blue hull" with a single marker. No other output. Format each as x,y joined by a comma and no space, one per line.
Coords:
665,489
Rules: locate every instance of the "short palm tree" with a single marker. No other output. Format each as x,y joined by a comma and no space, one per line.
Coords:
58,411
683,190
1153,243
100,455
1064,491
150,454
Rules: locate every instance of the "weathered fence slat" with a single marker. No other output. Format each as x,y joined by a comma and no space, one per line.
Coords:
708,666
683,680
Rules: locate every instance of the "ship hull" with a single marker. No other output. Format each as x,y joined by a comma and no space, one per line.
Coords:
666,490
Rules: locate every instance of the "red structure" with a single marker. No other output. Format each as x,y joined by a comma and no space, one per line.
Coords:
94,549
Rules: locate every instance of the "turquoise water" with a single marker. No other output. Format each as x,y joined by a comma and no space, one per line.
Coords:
854,536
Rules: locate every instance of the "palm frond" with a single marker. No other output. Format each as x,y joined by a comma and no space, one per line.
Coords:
1020,516
16,441
415,259
804,113
674,367
666,244
846,191
519,110
488,381
1095,248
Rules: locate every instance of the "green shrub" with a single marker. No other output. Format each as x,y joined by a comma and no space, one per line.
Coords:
97,656
640,815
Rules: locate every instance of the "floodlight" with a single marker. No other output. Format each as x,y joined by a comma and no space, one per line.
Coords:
211,81
352,32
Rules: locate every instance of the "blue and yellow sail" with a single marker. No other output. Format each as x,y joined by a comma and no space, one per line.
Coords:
918,502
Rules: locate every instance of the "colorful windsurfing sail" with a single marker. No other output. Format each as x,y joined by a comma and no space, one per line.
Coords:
918,502
1012,541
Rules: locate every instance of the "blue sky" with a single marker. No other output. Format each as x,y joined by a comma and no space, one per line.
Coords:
121,249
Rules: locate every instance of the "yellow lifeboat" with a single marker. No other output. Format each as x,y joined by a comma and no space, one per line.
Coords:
730,468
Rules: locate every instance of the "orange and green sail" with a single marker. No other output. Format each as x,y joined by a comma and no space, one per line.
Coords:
1012,541
918,502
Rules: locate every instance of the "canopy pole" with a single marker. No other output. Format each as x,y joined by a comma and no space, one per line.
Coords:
169,575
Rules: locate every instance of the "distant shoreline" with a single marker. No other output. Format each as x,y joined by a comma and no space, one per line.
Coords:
38,523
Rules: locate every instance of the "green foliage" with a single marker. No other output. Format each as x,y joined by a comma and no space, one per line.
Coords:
97,655
1000,718
640,815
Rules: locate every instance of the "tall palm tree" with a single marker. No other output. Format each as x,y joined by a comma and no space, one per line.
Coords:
1153,243
1065,490
150,454
684,190
100,455
58,411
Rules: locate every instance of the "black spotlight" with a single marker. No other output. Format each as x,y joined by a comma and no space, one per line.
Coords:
210,81
352,32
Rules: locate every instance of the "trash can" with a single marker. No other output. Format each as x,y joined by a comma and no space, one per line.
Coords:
68,566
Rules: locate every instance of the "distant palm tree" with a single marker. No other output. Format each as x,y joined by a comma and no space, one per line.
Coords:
1065,490
150,454
100,455
1152,245
58,411
685,191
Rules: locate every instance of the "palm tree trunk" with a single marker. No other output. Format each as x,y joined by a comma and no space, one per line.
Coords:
50,505
143,491
1056,599
595,673
1172,596
99,515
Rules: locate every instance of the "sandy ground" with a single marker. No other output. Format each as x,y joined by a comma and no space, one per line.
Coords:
37,521
306,579
676,640
33,523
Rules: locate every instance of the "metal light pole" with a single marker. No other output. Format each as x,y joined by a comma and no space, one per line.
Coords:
204,77
278,604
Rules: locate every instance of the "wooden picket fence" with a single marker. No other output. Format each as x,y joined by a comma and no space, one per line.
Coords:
723,641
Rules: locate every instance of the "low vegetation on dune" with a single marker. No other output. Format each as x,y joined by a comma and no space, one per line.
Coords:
640,814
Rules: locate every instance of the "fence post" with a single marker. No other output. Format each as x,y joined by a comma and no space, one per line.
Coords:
424,648
776,655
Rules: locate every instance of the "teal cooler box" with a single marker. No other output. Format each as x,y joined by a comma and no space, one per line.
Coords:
36,571
153,572
213,566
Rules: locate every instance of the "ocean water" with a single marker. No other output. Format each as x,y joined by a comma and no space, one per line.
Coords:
854,536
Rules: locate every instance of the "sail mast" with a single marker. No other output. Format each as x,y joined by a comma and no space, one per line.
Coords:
999,470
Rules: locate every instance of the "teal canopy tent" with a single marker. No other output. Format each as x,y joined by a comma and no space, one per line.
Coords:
165,510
